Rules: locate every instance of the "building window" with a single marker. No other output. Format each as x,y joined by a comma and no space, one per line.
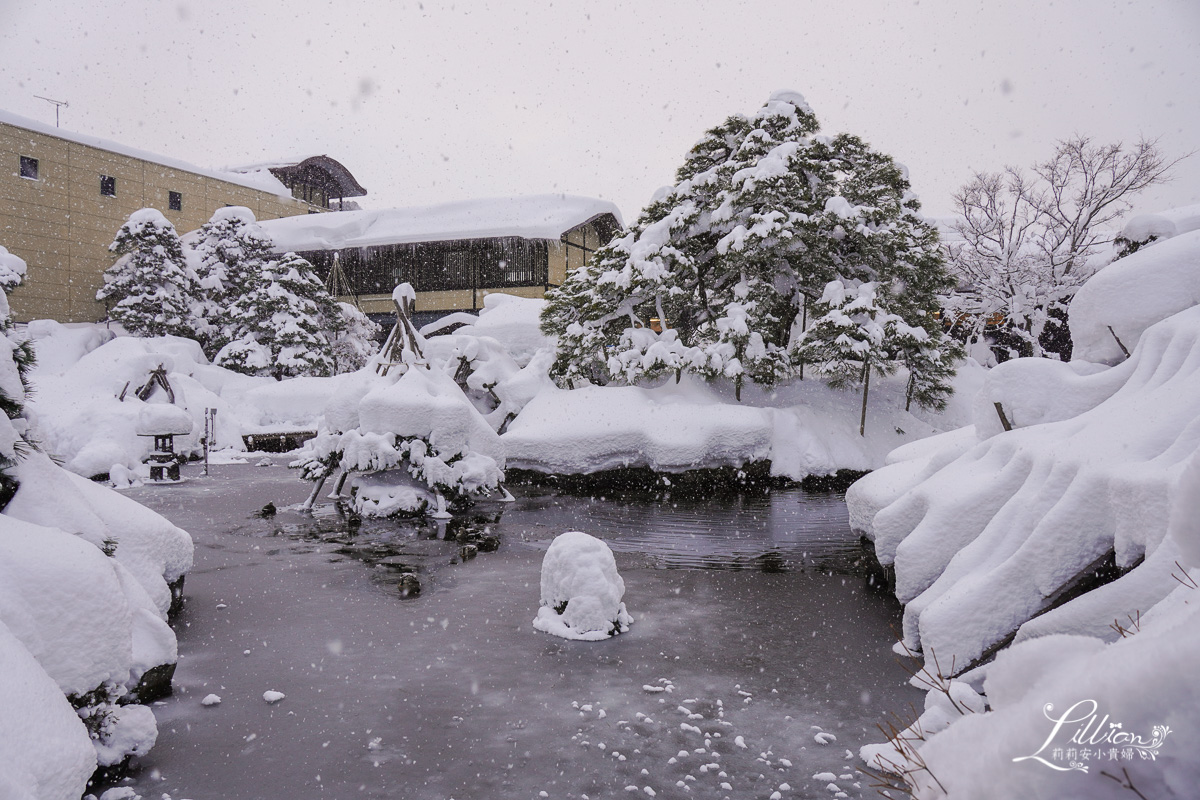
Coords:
175,201
29,168
108,186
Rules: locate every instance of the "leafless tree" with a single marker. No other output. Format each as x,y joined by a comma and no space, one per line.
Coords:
1029,242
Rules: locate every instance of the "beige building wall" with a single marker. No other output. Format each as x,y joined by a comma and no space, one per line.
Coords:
62,226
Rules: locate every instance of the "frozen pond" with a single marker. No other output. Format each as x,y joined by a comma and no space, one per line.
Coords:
718,690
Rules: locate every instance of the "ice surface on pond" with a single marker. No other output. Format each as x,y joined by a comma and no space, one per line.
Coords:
581,590
457,686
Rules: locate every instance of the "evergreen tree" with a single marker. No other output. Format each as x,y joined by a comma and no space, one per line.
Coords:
230,254
763,215
353,339
150,289
16,359
279,325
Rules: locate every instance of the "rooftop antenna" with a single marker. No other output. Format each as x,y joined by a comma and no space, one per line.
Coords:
58,104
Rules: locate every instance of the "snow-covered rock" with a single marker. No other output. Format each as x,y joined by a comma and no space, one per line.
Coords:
581,590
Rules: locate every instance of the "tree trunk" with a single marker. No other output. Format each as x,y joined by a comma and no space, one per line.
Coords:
862,422
909,393
803,328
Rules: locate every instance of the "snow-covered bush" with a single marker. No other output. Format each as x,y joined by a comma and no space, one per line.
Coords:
764,214
423,444
45,753
581,590
150,290
353,339
988,532
281,323
84,597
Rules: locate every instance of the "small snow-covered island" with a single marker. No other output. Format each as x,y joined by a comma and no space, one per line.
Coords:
785,488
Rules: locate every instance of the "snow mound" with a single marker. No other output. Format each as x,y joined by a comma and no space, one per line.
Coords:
514,322
987,535
45,751
805,428
581,590
154,551
1135,699
1132,294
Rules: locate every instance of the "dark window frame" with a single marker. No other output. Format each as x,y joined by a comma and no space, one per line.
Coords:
29,164
175,201
108,186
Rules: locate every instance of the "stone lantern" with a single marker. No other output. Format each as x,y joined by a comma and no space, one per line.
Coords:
163,422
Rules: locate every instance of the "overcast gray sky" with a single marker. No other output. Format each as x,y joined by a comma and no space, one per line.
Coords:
428,101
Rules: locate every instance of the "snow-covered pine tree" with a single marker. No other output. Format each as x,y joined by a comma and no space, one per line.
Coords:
763,215
353,339
16,359
280,324
229,255
150,289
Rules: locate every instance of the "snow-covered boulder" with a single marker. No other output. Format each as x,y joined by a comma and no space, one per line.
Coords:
45,751
581,590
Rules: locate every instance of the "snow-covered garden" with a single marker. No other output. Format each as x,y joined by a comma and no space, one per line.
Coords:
782,312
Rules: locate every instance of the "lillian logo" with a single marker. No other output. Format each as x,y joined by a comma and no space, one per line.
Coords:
1080,735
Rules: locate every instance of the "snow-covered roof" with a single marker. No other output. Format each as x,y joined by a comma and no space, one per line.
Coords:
260,180
320,170
546,216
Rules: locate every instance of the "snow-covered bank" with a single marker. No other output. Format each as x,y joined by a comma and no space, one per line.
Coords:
86,583
993,534
802,429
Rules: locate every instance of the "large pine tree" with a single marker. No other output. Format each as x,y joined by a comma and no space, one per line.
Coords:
150,289
765,212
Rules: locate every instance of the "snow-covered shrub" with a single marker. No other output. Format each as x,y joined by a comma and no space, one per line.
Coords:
45,753
353,339
763,215
150,290
581,590
1132,704
417,435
